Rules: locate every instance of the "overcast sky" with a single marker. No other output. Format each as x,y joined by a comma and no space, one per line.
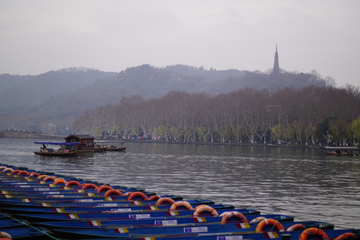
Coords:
322,35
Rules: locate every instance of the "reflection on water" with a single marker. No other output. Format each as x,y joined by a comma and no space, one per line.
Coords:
304,183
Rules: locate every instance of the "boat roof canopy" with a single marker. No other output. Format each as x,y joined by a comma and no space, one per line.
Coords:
108,141
59,143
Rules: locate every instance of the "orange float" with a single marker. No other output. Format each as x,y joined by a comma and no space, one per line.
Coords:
266,222
112,192
185,204
103,188
89,186
295,227
312,231
345,236
205,208
137,194
228,215
72,184
164,200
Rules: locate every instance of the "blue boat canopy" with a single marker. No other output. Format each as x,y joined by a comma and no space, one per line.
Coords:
59,143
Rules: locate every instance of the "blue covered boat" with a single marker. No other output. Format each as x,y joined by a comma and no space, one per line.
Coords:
79,212
67,149
124,215
155,221
188,229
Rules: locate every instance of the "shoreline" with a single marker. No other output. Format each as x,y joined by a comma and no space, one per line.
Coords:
33,135
228,144
21,134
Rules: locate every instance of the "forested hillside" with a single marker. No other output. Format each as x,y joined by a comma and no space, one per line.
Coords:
51,101
306,115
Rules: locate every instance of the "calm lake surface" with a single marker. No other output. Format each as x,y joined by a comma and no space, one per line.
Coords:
304,183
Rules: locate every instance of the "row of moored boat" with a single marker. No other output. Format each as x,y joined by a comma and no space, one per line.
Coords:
43,205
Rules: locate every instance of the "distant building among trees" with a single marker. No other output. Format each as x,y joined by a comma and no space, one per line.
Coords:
276,68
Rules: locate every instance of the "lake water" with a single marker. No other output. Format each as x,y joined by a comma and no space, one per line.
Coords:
305,183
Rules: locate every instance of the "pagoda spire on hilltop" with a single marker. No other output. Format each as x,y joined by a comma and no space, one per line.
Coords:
276,69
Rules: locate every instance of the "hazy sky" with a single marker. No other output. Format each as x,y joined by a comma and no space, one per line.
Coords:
322,35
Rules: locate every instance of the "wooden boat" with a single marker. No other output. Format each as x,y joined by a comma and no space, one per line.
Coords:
76,215
39,217
156,221
187,229
117,146
86,143
136,205
103,207
66,149
115,149
193,235
341,151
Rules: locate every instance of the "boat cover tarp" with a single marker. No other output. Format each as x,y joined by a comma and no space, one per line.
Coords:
59,143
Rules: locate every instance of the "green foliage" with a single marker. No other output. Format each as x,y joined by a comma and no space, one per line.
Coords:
339,129
162,131
355,128
175,133
97,131
203,133
277,132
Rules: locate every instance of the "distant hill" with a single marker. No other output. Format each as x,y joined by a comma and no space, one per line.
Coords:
54,98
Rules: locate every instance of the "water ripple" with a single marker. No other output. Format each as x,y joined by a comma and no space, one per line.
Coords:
304,183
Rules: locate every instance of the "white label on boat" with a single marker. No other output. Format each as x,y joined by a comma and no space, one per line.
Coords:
172,213
84,200
72,216
121,209
230,238
271,235
23,186
55,196
137,216
195,229
121,230
165,222
51,193
42,189
59,210
107,205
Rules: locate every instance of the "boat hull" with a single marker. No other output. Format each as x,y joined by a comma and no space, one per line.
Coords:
115,149
56,154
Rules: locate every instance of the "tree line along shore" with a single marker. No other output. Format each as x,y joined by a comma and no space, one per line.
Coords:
308,116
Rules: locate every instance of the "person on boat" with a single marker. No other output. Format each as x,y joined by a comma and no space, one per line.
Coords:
337,151
351,153
44,147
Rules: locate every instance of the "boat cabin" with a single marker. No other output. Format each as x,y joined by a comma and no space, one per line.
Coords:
86,141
